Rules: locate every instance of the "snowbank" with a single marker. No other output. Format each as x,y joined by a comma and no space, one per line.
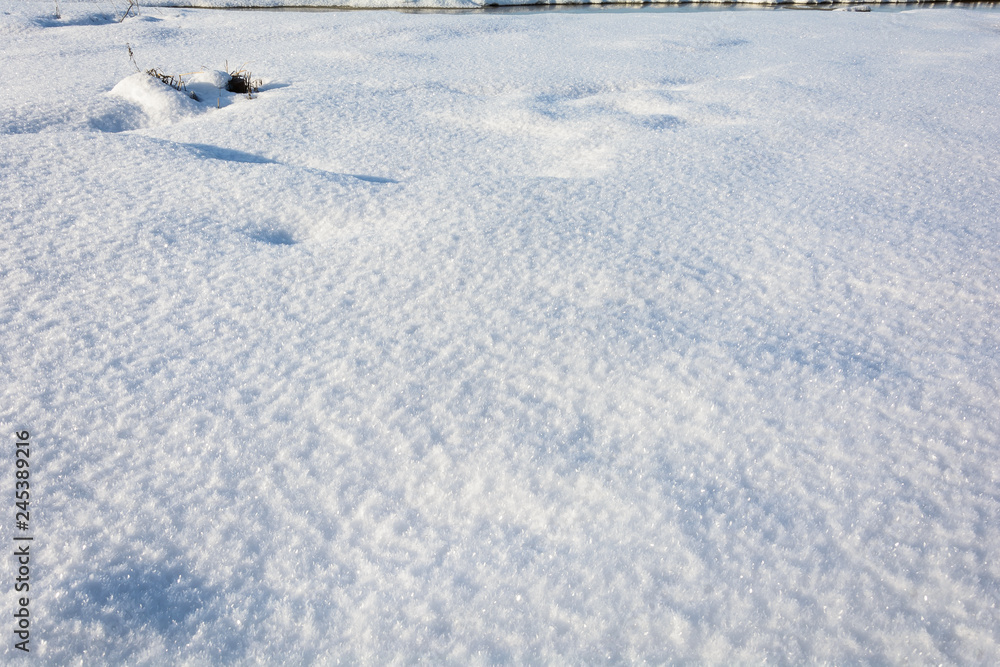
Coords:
160,102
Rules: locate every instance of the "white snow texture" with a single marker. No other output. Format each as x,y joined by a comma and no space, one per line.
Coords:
481,339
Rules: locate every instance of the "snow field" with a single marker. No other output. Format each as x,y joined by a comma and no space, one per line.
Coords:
486,339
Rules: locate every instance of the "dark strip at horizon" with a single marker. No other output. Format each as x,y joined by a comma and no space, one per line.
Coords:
633,7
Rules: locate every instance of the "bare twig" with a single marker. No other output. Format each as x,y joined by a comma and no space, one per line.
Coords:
131,57
132,4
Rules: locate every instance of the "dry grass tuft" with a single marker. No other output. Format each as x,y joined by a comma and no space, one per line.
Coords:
242,82
175,82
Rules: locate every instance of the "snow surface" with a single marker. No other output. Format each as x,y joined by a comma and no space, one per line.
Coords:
479,4
481,339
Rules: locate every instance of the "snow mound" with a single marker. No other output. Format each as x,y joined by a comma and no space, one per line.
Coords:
207,86
162,104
